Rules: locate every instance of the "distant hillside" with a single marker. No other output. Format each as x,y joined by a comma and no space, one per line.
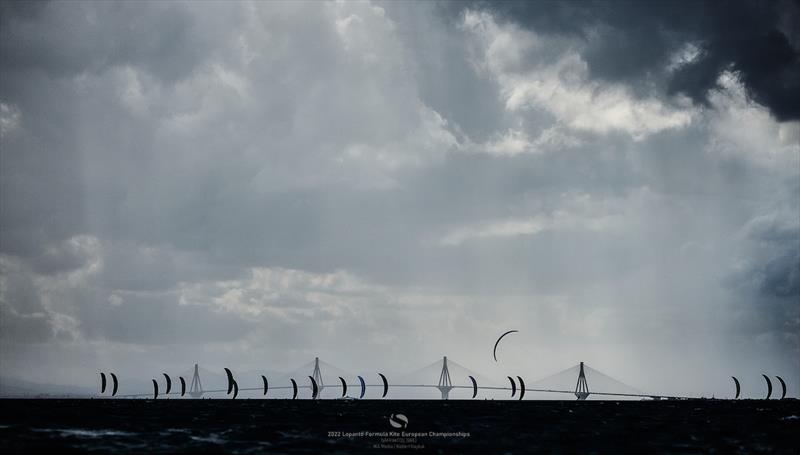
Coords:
17,388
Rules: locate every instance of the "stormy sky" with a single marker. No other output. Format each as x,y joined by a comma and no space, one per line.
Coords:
379,184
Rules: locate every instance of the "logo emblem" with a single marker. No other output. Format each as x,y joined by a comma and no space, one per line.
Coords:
398,421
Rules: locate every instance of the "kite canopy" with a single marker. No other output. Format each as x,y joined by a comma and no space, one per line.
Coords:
230,380
314,388
783,386
474,387
494,351
169,383
363,387
385,385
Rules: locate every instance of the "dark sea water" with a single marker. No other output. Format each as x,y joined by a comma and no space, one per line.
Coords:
334,426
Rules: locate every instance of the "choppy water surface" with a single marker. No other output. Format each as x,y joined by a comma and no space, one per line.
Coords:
329,426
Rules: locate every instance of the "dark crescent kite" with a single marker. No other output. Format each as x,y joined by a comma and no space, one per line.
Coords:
169,383
385,385
474,387
494,351
314,388
783,385
230,380
769,386
363,386
738,387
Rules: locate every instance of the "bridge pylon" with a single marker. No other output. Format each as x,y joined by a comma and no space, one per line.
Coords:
317,375
582,388
196,389
445,384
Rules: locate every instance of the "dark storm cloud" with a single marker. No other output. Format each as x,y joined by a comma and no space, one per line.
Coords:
157,319
22,295
131,267
441,66
23,316
65,39
776,274
631,42
25,328
62,258
782,275
36,210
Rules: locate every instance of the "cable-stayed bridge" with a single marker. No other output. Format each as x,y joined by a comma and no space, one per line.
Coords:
318,380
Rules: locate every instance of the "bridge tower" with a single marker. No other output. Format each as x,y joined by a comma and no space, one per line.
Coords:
582,388
196,389
445,384
317,375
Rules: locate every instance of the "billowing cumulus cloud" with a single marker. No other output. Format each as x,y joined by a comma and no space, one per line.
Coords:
536,72
683,49
254,184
